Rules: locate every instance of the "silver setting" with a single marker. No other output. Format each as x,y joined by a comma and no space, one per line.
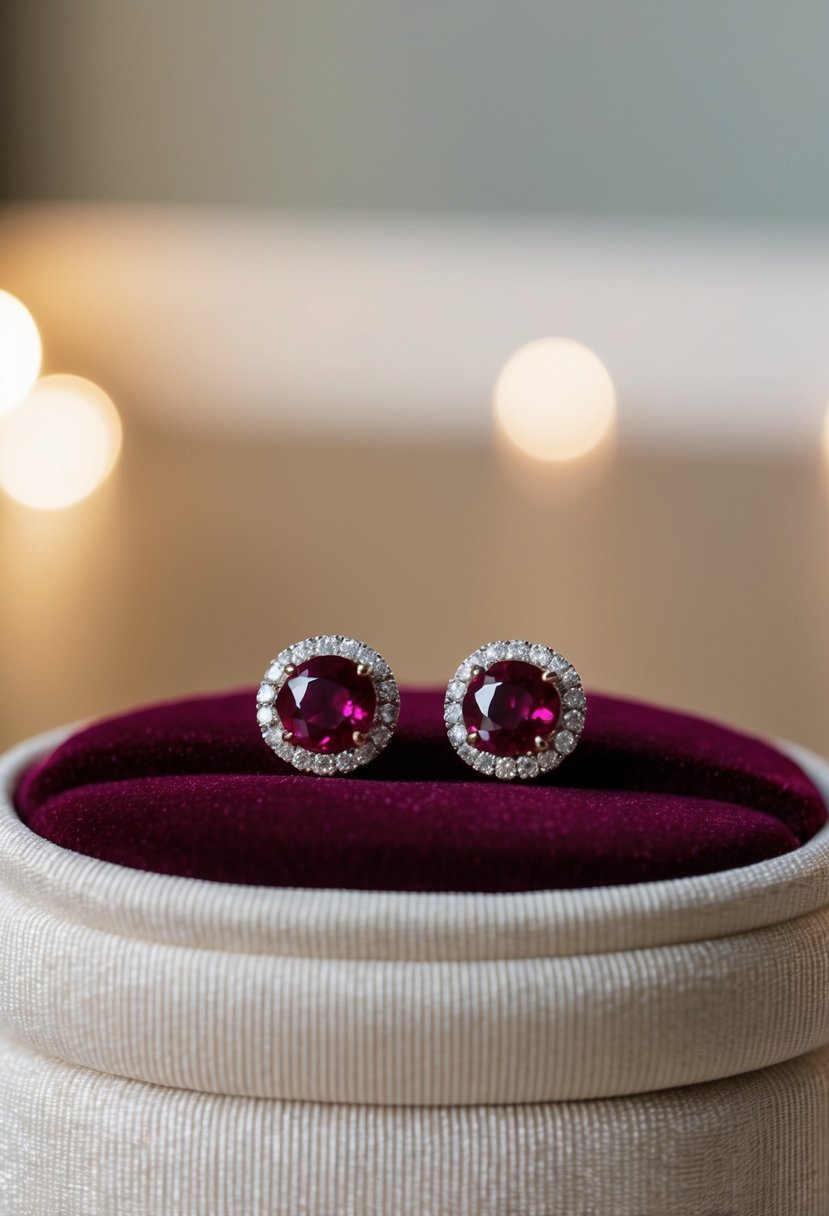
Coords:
328,764
548,753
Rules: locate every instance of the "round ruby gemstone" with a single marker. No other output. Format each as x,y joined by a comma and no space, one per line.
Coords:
508,706
324,702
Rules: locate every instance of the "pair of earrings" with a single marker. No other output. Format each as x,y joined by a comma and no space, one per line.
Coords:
329,704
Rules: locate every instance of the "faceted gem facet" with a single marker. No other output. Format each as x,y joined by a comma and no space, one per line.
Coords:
324,702
508,706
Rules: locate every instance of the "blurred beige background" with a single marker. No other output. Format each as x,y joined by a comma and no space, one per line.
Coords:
699,583
651,108
296,242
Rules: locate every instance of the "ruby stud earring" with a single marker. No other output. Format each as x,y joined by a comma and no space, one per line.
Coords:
514,709
327,705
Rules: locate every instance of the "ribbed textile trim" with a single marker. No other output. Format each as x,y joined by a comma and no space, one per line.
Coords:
500,1027
78,1143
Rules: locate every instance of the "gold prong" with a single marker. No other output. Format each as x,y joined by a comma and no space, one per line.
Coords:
472,738
549,677
287,736
477,671
290,669
541,744
359,738
363,669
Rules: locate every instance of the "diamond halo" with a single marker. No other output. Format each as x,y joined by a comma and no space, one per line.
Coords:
386,713
562,741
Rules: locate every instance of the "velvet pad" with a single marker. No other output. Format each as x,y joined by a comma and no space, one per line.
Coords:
189,788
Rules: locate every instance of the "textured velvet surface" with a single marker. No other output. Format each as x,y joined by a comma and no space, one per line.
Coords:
189,788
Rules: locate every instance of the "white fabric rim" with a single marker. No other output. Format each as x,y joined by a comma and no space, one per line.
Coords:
84,1144
519,1026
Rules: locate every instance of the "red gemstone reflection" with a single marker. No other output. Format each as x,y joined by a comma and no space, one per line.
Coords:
324,702
508,706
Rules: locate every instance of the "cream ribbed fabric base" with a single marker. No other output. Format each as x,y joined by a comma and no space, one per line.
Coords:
326,1030
77,1143
457,1039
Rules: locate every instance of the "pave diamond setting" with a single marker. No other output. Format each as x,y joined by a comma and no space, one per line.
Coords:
514,709
327,704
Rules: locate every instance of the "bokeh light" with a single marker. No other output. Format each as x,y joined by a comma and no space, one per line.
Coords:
20,351
554,399
60,444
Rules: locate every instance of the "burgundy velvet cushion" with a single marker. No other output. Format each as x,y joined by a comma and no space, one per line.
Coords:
190,788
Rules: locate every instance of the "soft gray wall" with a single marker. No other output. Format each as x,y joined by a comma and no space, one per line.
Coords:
702,108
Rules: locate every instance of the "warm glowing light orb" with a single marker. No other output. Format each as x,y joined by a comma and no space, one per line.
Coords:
554,399
60,444
20,351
